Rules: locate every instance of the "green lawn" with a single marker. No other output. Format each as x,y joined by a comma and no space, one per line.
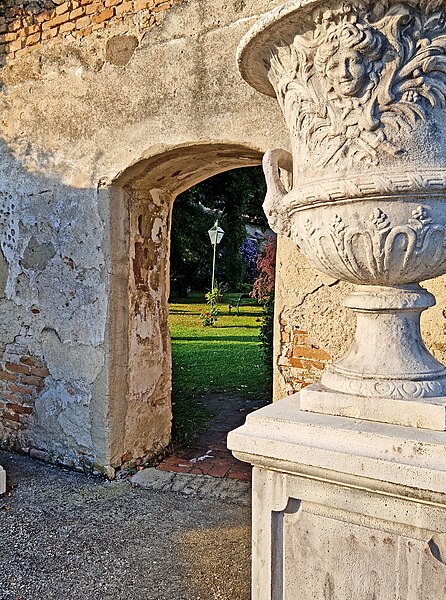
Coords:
224,358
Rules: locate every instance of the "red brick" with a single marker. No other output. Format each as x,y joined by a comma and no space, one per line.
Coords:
173,468
28,360
9,397
8,37
19,409
123,8
94,8
31,380
174,460
219,470
11,417
50,33
33,39
161,7
105,15
84,22
196,471
39,371
296,362
31,29
310,352
205,466
66,27
15,25
85,31
142,4
78,12
240,475
45,16
15,368
20,389
56,21
62,8
7,376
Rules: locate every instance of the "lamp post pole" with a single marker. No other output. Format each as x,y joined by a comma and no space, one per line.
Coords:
215,234
213,264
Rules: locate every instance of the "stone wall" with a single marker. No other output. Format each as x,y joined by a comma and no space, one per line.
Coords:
26,25
99,133
22,379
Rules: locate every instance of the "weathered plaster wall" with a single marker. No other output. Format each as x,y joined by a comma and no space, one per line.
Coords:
88,167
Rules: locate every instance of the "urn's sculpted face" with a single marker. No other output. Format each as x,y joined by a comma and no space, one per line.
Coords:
346,72
348,59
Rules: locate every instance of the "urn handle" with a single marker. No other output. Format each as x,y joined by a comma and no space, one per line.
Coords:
274,206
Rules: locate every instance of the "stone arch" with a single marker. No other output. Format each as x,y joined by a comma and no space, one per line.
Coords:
141,201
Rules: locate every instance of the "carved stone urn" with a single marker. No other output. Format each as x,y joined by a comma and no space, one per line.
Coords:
362,86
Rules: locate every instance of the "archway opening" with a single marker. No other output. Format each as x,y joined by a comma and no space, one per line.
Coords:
217,359
142,201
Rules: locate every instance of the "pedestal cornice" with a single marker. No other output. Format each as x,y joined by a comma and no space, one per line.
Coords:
384,458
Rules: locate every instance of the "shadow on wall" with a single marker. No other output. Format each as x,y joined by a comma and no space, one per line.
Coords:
53,308
85,374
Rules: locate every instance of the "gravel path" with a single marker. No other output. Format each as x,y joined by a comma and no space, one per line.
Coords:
66,536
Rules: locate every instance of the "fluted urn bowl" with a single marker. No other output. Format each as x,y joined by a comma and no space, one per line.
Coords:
362,86
374,242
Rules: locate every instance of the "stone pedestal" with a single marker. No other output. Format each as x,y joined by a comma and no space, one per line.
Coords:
344,509
349,497
2,480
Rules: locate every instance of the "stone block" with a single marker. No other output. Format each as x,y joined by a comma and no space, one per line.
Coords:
344,508
2,480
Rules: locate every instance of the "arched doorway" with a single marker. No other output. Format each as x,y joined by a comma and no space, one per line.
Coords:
139,406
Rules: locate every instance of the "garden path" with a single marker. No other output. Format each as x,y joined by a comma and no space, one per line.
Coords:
208,454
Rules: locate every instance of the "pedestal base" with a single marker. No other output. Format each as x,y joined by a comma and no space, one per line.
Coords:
344,509
426,413
2,480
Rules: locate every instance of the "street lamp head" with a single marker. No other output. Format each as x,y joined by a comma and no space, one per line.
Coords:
215,234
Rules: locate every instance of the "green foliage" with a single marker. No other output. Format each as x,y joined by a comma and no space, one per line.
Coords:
190,248
223,359
263,290
209,314
266,335
239,195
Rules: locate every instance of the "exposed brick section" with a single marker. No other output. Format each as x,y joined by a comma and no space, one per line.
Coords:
301,360
22,379
25,24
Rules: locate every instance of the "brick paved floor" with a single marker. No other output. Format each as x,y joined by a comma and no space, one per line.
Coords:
208,455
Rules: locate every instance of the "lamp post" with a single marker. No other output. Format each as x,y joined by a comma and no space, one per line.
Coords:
215,235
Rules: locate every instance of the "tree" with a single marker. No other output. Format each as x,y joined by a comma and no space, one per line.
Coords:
189,244
234,195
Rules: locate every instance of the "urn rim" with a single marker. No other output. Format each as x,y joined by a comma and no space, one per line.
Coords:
263,34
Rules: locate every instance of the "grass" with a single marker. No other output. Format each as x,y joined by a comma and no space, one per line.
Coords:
225,358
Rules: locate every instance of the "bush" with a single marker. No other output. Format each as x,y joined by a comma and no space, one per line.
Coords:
263,290
209,314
